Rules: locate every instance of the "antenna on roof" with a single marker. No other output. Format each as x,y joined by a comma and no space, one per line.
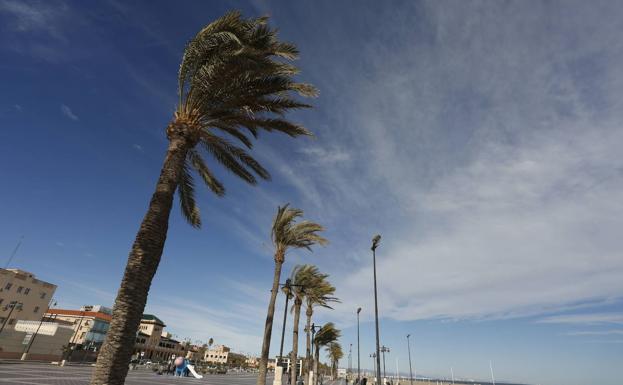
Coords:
19,243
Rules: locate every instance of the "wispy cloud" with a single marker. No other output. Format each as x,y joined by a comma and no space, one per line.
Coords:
596,332
496,179
68,112
587,319
138,147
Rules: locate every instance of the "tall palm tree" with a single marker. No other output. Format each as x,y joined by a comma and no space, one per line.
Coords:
335,355
235,79
304,278
286,234
326,335
321,294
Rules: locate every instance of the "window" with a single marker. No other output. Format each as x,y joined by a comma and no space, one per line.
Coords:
11,321
43,295
2,320
36,309
19,289
82,335
1,300
27,291
8,286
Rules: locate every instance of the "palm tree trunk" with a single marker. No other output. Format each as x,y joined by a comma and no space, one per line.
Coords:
268,328
295,341
114,358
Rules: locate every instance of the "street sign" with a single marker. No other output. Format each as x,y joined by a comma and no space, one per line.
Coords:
27,339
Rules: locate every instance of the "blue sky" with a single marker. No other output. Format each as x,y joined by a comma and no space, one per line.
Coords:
481,139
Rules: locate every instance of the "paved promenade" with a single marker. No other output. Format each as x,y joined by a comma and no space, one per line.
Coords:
38,374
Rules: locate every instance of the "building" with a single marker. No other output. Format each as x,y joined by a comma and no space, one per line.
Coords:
90,324
153,343
252,362
217,355
43,341
22,297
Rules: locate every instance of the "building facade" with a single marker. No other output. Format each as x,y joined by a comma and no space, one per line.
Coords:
35,340
217,355
153,343
22,297
90,324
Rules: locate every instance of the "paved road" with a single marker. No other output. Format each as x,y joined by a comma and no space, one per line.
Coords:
36,374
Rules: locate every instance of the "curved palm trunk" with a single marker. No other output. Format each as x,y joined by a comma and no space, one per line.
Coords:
113,360
295,341
268,328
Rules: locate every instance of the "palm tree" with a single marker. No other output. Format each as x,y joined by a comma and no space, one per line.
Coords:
304,278
326,335
321,294
286,234
335,355
235,79
210,342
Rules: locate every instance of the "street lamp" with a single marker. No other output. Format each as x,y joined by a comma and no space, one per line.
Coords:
358,355
384,350
350,359
312,360
410,371
13,305
375,244
285,316
373,355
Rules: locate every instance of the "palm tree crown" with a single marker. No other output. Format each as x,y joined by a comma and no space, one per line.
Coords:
327,334
287,233
234,79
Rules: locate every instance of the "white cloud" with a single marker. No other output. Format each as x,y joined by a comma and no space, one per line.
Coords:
487,163
138,147
68,112
588,319
596,333
34,17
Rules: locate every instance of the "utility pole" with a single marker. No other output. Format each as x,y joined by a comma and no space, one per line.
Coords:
384,350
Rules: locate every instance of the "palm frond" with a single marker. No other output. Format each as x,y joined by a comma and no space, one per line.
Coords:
190,211
205,173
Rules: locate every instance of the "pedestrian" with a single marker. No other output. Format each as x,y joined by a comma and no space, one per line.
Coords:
364,381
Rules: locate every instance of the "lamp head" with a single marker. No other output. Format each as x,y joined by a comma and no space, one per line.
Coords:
358,310
375,241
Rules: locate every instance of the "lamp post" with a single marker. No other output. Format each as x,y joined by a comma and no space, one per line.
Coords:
410,371
350,359
358,355
384,350
373,355
285,317
375,244
13,305
74,339
313,331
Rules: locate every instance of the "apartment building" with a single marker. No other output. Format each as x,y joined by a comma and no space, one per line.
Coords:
217,355
153,343
90,323
22,297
